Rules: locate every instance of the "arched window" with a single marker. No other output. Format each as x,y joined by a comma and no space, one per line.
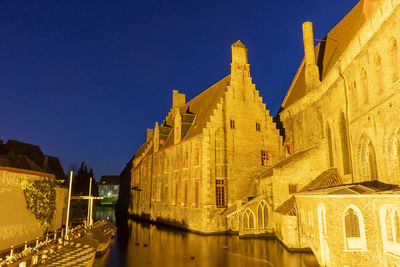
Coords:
354,229
394,51
248,220
390,228
344,144
322,220
379,73
354,93
366,160
365,89
397,147
373,172
262,215
330,149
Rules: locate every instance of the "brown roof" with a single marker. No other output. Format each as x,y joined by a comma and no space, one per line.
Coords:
328,178
328,51
200,108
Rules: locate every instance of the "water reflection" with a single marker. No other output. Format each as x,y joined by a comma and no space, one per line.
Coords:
140,244
104,213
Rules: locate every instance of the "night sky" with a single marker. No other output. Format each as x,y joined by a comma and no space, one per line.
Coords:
84,79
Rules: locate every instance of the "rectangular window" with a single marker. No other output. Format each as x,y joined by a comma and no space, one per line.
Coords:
258,127
176,193
177,161
289,148
221,193
166,194
233,126
196,157
186,193
292,188
266,158
186,160
196,195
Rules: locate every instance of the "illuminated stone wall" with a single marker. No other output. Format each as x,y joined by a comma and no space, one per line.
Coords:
17,224
331,245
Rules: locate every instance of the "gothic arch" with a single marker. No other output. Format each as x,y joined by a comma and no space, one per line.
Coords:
379,73
330,144
262,215
364,86
367,166
344,143
395,58
353,228
248,219
391,151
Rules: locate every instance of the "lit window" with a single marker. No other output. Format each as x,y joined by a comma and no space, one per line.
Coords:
221,193
258,127
266,158
233,126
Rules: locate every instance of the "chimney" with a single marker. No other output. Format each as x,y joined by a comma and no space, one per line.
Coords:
178,99
156,138
149,135
312,72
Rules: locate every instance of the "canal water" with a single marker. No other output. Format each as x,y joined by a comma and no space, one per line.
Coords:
142,244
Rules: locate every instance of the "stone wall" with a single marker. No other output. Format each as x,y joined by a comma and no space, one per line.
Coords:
330,245
17,224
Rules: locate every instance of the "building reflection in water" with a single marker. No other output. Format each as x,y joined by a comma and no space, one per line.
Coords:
142,244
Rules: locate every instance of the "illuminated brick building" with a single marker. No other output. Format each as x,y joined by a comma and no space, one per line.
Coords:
329,183
202,158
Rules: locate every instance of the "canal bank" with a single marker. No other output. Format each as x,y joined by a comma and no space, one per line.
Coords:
140,243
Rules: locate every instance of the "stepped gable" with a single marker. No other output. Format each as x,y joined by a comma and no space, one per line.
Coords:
328,178
328,51
202,107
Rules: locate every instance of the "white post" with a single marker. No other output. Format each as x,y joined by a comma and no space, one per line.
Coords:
69,203
90,194
91,211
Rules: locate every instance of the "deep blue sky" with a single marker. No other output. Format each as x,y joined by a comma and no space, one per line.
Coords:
84,79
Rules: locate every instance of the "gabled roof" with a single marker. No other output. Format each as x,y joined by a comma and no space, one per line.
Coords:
328,178
19,162
328,51
110,179
196,113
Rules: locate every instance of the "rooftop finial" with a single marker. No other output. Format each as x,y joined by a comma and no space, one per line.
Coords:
238,44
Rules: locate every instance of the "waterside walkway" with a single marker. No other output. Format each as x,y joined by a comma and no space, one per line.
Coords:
82,251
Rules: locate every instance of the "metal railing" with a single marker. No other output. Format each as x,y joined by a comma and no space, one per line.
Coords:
37,246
